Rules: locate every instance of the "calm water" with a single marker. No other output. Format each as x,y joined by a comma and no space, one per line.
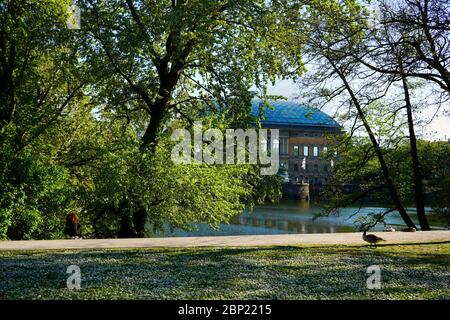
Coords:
289,217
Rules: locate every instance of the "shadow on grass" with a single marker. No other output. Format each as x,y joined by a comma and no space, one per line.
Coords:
413,243
282,272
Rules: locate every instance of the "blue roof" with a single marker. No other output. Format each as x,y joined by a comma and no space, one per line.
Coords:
291,114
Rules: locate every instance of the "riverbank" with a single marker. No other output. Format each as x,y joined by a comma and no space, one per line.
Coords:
320,272
353,238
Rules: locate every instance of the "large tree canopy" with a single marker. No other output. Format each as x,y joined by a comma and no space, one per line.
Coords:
158,59
81,108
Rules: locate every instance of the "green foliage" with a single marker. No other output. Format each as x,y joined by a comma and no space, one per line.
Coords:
357,178
173,60
40,71
435,160
191,54
356,173
34,195
40,76
127,183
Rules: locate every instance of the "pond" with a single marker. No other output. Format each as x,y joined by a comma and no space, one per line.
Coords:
291,216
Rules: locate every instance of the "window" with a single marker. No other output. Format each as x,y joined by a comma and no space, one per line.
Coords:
275,144
316,167
284,146
325,148
295,167
295,151
325,168
315,151
305,151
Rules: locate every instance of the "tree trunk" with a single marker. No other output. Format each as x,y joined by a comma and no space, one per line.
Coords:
158,110
139,220
149,140
388,180
417,172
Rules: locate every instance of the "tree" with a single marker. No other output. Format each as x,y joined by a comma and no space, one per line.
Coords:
40,73
333,34
33,198
420,30
418,35
435,160
40,84
173,60
133,194
409,40
383,55
150,67
173,57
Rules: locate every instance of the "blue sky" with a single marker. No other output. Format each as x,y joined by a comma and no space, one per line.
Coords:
437,129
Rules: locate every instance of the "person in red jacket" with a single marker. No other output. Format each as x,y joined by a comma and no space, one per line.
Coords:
73,227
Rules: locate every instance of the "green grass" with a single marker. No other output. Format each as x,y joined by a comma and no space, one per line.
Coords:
336,272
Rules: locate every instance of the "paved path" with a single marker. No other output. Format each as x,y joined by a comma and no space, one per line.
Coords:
227,241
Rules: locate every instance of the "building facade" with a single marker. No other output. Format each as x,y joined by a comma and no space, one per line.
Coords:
305,134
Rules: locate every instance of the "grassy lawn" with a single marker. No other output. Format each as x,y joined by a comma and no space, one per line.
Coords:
336,272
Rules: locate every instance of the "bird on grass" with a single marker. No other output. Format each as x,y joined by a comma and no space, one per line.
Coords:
371,239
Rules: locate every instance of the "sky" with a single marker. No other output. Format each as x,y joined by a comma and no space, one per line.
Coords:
437,126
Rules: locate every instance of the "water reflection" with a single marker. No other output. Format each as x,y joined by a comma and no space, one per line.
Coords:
289,217
289,223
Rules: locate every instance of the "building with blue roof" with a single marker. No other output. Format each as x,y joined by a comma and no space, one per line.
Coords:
287,114
305,134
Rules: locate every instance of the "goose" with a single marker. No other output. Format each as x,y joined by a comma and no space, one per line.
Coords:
371,238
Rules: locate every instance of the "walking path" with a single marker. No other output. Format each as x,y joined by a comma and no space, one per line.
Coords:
227,241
